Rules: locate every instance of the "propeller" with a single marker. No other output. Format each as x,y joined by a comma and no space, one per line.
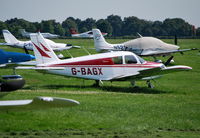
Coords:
168,61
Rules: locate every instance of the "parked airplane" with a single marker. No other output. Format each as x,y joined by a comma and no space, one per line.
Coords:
88,34
13,57
143,46
12,82
110,66
45,35
13,42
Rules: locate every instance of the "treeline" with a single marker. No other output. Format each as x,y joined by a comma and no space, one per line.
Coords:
113,25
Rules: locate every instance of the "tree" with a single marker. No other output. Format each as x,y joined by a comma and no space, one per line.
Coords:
69,24
116,23
104,26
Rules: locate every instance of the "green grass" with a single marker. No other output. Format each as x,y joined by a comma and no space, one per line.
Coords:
171,109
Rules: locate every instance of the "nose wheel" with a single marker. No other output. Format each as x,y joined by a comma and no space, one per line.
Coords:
149,84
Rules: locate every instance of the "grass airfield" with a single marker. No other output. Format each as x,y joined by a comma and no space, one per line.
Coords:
171,109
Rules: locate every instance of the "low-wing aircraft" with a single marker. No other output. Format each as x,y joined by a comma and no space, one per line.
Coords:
12,82
143,46
109,66
88,34
13,57
45,35
13,42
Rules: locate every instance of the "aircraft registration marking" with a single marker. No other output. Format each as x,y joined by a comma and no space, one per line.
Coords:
86,71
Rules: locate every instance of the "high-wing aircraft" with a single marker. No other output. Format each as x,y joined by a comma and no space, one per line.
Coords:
13,42
109,66
143,46
88,34
45,35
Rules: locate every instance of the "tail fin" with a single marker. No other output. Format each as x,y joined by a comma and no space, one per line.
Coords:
43,52
73,31
100,42
9,38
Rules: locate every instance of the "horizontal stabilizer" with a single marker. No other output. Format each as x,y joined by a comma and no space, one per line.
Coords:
37,103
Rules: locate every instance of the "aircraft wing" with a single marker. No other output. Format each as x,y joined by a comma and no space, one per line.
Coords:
152,73
167,52
65,48
37,103
40,68
7,44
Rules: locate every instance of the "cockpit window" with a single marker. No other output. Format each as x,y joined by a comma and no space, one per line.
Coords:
141,59
117,60
130,59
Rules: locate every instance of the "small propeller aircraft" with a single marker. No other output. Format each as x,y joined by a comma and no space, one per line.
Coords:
88,34
12,82
143,46
110,66
27,45
45,35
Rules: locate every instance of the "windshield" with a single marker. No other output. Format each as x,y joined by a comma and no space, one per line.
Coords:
141,59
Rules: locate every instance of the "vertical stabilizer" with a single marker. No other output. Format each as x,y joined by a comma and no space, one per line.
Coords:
43,52
9,38
100,42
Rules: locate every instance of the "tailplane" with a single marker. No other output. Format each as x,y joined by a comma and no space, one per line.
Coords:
43,52
100,42
9,38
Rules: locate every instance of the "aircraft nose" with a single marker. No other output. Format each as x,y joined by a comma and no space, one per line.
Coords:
174,47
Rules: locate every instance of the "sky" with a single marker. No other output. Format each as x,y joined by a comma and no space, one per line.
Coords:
152,10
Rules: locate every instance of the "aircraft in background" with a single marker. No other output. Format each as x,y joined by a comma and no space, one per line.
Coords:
12,82
27,45
109,66
143,46
13,57
88,34
45,35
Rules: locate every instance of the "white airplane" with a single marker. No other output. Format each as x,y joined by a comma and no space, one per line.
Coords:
88,34
109,66
143,46
13,42
45,35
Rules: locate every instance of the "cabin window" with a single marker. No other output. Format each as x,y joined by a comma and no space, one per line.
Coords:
117,60
130,59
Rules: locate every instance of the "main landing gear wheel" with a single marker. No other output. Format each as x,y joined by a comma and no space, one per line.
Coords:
133,83
96,84
149,84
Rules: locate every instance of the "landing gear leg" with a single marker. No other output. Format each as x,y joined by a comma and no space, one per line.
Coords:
96,84
133,83
149,84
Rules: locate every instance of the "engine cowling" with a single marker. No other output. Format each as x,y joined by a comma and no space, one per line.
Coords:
11,82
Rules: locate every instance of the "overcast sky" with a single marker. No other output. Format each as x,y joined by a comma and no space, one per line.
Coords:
37,10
